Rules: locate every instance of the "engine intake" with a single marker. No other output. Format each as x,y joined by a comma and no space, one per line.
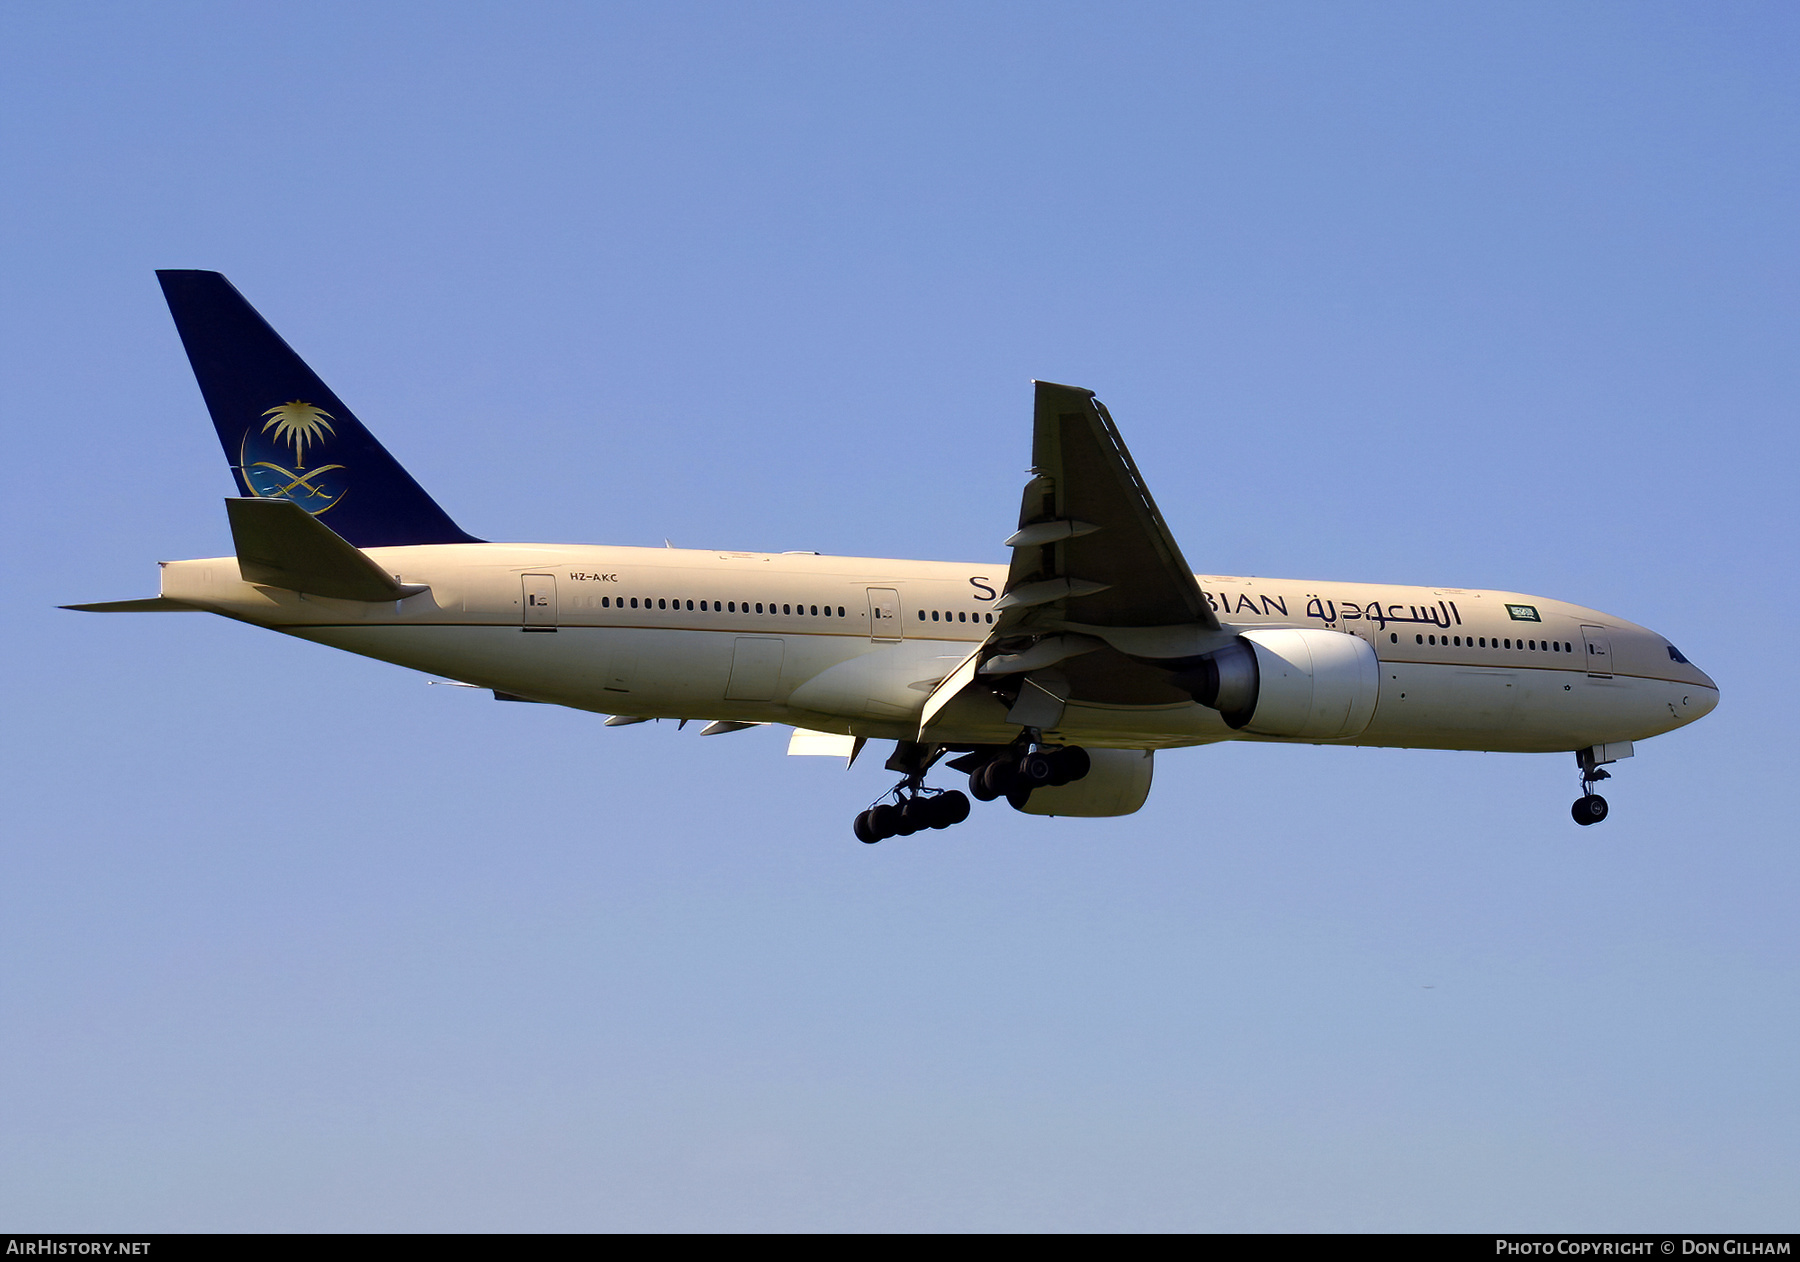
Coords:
1304,682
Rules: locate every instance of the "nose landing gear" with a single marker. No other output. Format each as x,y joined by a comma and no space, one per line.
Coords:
1590,807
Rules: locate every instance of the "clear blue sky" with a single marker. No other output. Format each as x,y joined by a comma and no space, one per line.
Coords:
1480,295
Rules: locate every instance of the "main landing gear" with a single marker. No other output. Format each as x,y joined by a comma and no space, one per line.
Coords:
914,806
1590,807
995,771
1014,774
913,810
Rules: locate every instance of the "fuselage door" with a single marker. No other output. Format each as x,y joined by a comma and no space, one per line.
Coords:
885,622
539,601
1599,652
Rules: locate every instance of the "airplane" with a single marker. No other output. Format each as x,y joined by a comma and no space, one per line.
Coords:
1050,680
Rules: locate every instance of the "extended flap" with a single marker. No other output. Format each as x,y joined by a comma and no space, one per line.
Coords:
282,545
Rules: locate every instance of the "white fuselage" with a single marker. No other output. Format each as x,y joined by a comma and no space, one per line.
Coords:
855,645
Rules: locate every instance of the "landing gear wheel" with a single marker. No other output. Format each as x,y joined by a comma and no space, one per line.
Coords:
949,809
978,785
1071,763
864,833
884,821
1036,769
996,780
1590,809
1018,795
915,816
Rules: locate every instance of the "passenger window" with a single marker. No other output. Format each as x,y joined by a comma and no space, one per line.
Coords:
759,606
921,615
840,611
634,602
990,617
1419,638
1393,637
934,615
962,617
828,611
815,611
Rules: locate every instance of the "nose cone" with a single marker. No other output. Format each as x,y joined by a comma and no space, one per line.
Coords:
1699,695
1701,701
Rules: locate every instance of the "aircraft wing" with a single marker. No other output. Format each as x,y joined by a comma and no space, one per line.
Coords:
1091,547
1097,591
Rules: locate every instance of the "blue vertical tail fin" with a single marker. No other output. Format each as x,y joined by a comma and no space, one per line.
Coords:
285,434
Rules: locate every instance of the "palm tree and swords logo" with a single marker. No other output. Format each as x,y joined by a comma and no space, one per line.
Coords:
264,460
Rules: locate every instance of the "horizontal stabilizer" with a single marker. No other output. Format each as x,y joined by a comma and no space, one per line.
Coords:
280,544
153,604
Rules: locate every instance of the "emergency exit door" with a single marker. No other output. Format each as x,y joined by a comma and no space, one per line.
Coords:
539,601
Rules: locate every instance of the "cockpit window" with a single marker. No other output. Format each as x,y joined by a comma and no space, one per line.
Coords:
1675,656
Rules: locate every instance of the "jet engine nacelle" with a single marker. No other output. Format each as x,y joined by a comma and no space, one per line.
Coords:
1117,782
1305,683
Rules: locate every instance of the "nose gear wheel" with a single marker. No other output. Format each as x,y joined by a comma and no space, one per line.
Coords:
1590,807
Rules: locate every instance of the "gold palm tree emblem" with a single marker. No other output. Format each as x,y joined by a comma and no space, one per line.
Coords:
298,423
